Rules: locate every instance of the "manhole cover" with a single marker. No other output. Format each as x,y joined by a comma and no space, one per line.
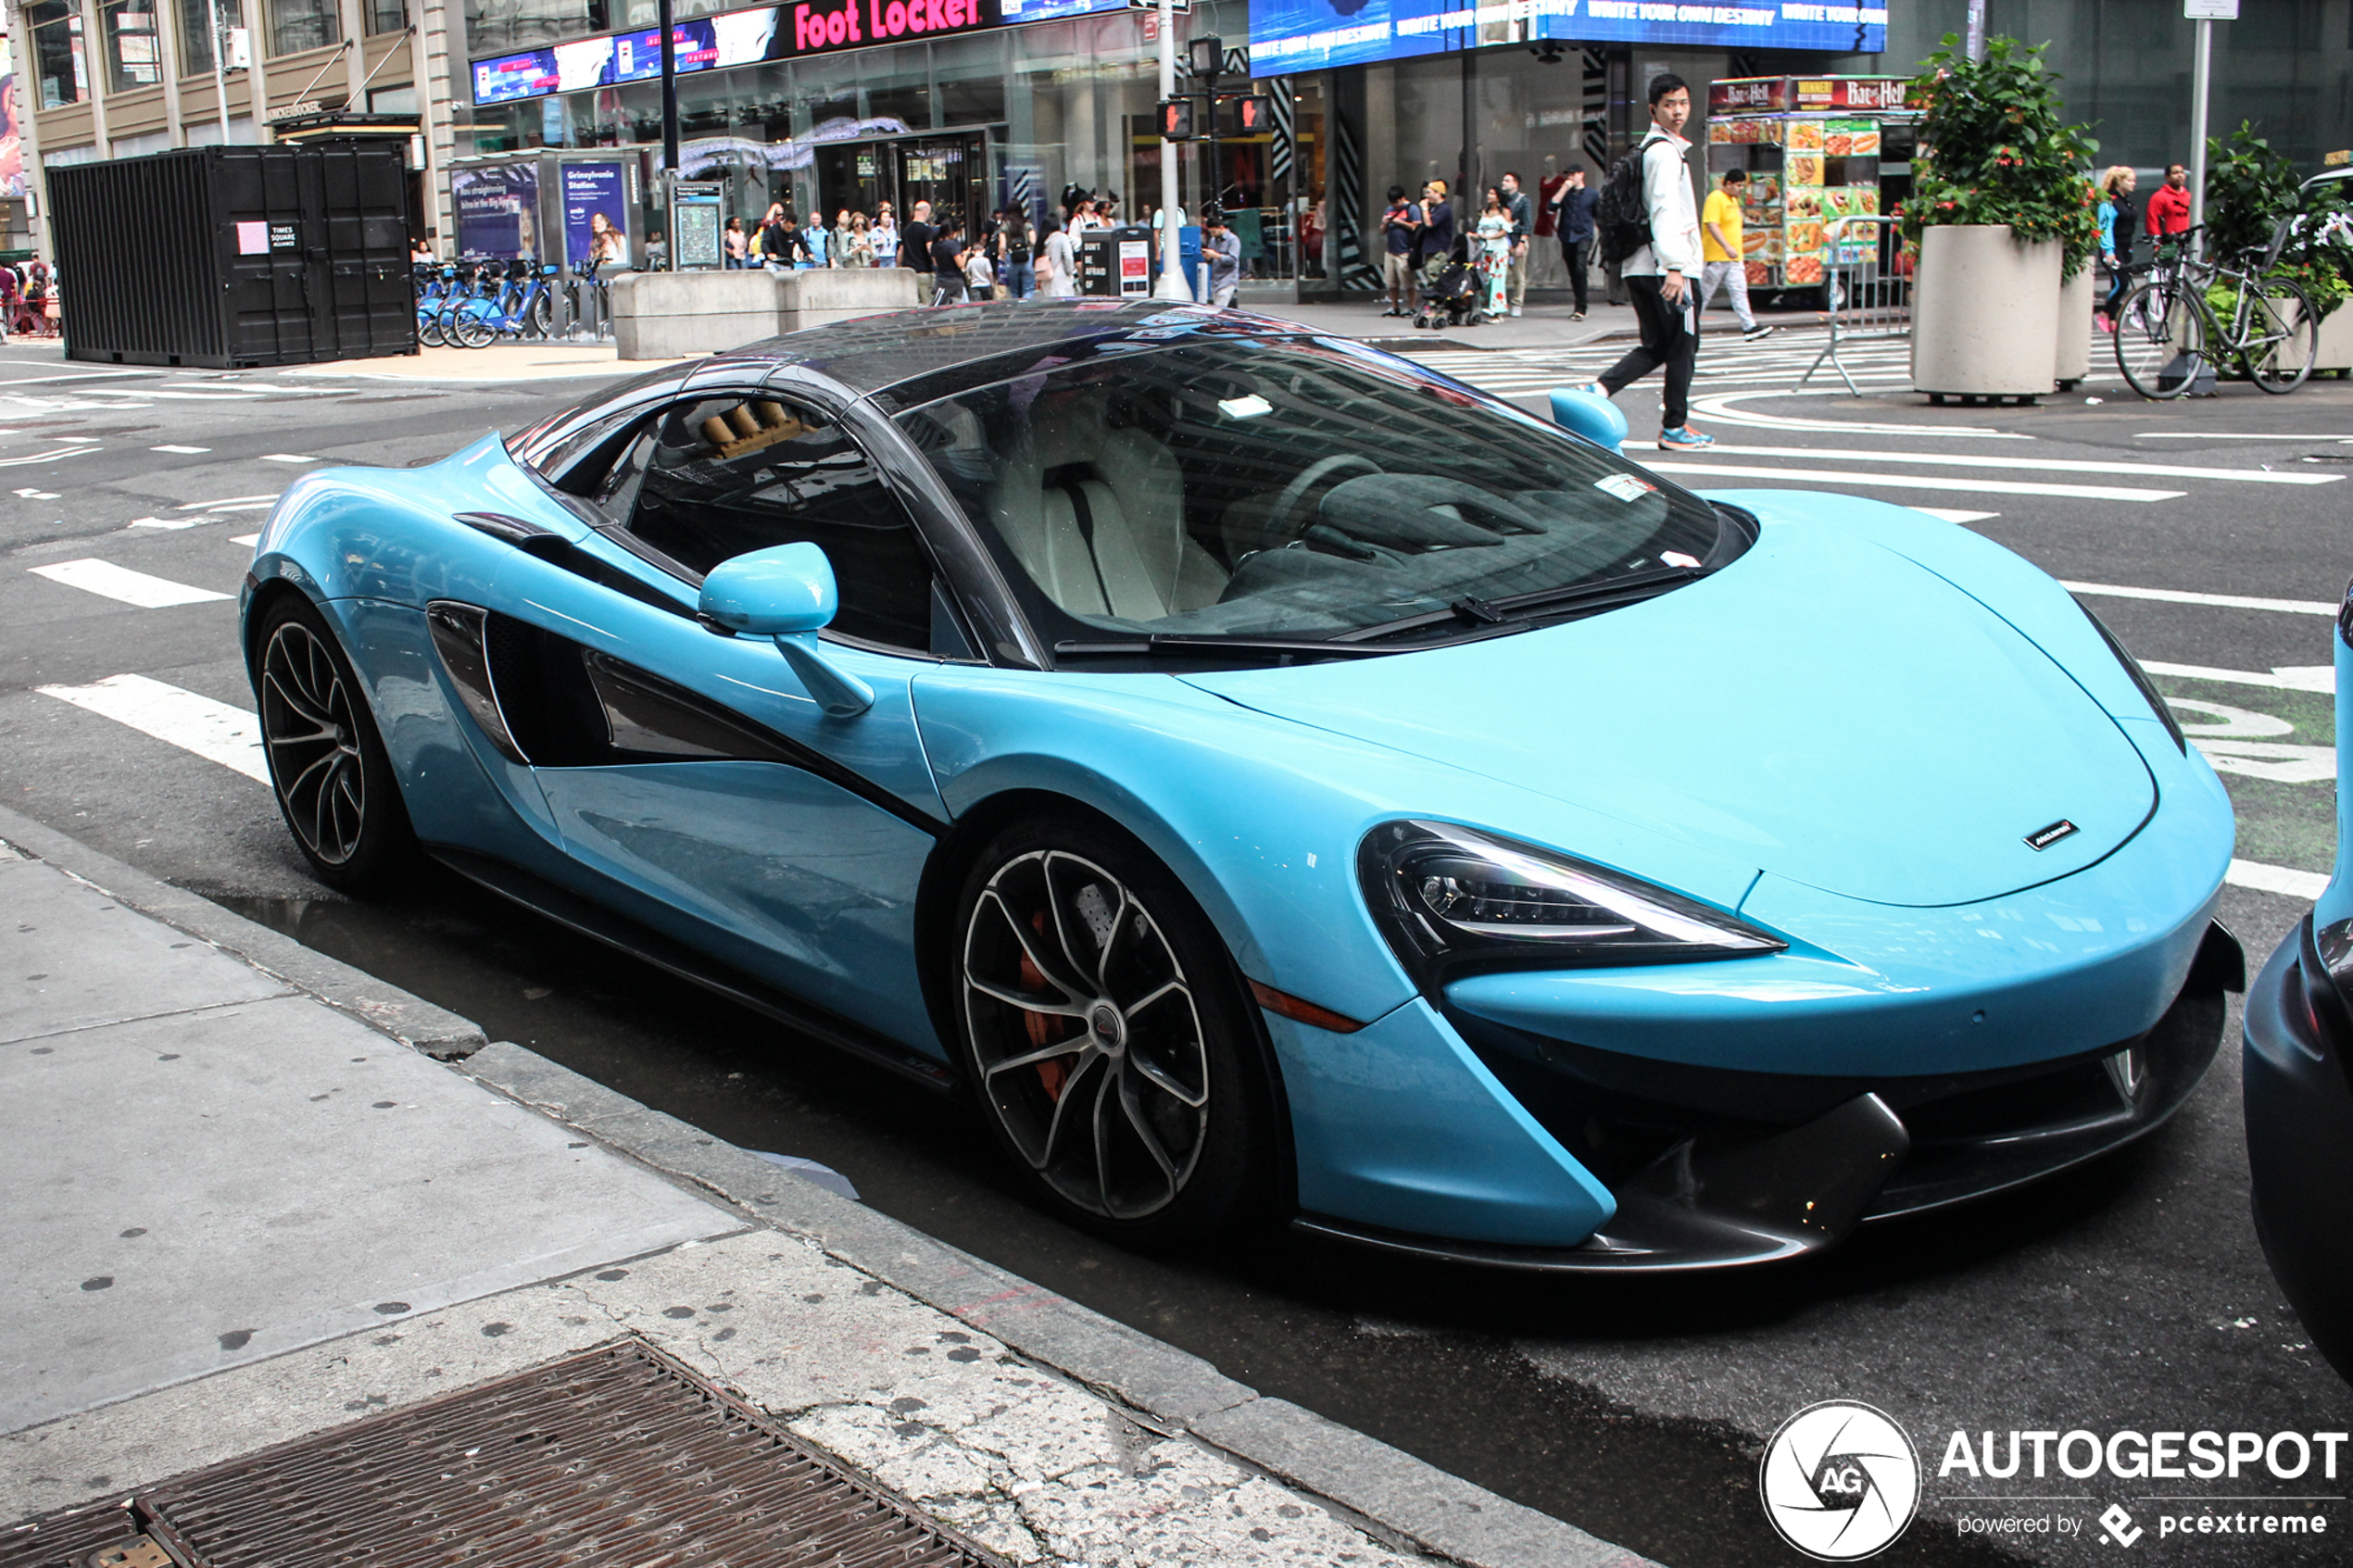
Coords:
618,1456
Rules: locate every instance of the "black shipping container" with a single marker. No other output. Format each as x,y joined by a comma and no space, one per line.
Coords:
234,257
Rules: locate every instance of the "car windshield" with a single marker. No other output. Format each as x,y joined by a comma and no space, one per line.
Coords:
1293,489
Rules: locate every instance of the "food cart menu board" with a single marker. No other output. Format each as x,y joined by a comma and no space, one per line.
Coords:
1806,168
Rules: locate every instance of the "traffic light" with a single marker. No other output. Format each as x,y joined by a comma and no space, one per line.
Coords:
1250,116
1205,55
1177,120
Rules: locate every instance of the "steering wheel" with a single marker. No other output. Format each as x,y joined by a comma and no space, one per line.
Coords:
1279,516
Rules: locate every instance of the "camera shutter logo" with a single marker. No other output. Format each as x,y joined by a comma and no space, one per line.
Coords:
1840,1481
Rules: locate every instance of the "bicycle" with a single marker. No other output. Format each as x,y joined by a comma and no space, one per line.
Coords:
2169,330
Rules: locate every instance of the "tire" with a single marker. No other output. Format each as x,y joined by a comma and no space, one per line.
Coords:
543,315
2160,341
429,330
472,330
1107,1037
328,766
2283,364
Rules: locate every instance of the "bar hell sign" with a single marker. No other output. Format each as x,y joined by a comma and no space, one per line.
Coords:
818,27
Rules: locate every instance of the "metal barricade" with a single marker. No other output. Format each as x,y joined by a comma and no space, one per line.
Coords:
1868,296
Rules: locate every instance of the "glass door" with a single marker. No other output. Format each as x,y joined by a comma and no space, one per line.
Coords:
951,172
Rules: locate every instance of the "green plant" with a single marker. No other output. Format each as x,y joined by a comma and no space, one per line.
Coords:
1995,150
2250,186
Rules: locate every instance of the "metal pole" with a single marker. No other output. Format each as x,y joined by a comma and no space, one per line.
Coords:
1172,248
219,78
669,90
2201,73
1975,42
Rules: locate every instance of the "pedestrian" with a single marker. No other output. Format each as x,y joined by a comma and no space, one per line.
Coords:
840,246
885,235
1222,249
948,264
1017,262
775,238
1722,262
1082,217
1058,264
915,238
420,253
813,250
857,242
1658,274
657,251
737,245
1397,226
1573,222
2169,210
1436,237
1522,212
980,273
1495,233
2119,231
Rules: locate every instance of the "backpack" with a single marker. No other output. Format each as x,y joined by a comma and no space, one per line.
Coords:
1621,218
1017,247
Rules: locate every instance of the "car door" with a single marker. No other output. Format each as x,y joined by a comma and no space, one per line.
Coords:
688,769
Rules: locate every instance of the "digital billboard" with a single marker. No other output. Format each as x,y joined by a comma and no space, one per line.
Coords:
1296,35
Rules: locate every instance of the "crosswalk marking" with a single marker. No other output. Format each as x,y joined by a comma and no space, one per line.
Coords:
286,458
2282,677
120,583
181,450
2030,465
2221,601
2307,885
215,731
1922,482
247,540
1948,514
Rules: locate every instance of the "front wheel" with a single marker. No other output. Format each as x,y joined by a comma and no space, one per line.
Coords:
2160,340
472,330
1107,1036
2281,358
328,765
429,329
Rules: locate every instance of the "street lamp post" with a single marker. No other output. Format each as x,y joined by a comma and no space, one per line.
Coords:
2205,13
220,77
1171,247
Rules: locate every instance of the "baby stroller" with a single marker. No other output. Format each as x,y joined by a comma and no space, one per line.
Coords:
1450,291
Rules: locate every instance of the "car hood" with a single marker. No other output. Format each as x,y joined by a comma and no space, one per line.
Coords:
1823,708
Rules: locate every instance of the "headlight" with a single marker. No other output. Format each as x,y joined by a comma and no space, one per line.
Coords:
2140,678
1454,900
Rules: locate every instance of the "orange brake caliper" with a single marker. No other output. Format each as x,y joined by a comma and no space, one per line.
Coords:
1043,1027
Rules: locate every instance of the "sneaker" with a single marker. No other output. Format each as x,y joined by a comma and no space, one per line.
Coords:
1682,440
1515,309
1751,334
1577,315
1596,388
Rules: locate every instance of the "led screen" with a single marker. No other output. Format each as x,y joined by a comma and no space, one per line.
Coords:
1296,35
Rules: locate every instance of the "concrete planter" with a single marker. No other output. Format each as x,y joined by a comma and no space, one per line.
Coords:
2077,296
669,315
2334,351
822,296
1985,313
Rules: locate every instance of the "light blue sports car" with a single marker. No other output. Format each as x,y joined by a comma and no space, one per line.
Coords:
1268,779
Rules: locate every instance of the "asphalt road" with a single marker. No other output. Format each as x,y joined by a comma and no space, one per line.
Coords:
2128,1296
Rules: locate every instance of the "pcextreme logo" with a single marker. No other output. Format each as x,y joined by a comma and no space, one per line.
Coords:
1840,1481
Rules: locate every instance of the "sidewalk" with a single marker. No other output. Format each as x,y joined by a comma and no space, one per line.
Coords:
250,1206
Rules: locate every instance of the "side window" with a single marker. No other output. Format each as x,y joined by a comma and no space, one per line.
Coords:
720,477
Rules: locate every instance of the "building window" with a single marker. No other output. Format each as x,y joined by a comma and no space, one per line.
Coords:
385,16
497,27
58,51
297,25
195,30
135,57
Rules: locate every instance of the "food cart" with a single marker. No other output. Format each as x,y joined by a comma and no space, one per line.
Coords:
1816,149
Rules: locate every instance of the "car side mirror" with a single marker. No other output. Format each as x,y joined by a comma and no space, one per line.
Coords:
787,593
1589,415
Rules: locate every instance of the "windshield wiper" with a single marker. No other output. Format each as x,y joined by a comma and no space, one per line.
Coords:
1185,646
1517,610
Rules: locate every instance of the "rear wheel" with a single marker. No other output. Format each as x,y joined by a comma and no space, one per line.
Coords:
2288,336
328,765
543,315
2160,340
429,329
1106,1034
472,330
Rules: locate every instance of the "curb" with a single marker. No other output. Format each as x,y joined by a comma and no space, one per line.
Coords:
435,1031
1394,1492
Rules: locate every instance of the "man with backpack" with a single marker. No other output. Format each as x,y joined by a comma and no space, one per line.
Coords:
1649,225
1435,245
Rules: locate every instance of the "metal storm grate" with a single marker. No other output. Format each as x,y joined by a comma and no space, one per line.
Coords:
618,1456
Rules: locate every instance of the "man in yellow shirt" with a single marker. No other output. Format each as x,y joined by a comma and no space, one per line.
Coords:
1719,251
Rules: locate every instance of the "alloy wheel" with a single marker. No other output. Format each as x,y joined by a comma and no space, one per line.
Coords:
1087,1035
313,733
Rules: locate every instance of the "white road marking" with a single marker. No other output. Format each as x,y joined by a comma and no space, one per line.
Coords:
2287,678
2029,465
2221,601
54,454
1719,407
38,495
183,450
2227,436
1922,482
286,458
2266,759
166,522
2307,885
165,392
234,503
1948,514
230,736
247,540
109,581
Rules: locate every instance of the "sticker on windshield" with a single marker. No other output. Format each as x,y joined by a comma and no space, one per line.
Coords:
1249,406
1625,486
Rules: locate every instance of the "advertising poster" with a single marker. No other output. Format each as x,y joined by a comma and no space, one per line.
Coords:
595,215
498,211
1296,35
11,143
